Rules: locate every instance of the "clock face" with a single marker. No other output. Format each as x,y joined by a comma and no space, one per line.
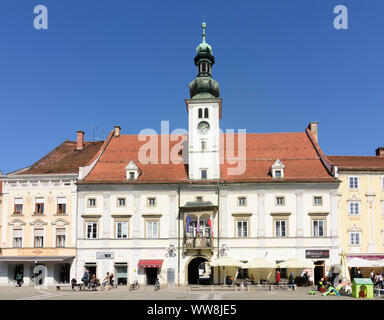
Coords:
203,127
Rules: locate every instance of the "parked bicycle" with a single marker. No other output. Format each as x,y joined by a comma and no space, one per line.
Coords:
134,286
157,285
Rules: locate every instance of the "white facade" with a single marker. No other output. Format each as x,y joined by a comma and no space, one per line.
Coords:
260,212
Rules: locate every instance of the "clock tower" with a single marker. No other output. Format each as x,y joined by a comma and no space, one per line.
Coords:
204,113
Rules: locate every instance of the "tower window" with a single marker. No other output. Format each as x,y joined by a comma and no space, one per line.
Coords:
206,113
203,174
200,113
203,145
203,67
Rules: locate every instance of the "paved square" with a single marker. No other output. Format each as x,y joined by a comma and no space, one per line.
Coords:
148,293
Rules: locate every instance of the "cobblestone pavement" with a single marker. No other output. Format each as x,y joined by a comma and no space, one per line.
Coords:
148,293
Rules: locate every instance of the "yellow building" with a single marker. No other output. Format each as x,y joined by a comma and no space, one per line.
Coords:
39,215
361,207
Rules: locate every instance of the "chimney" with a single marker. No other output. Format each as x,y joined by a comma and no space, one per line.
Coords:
380,152
117,131
80,140
313,127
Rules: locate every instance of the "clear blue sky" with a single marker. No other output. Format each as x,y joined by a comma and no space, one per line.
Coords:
280,64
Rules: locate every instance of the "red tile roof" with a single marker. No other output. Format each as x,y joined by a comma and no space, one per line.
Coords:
296,150
363,163
64,159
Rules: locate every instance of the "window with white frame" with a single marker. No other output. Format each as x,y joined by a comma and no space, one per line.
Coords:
17,238
203,173
242,201
61,205
382,207
18,209
354,238
280,201
92,202
318,229
60,237
242,228
151,202
39,205
354,208
122,229
280,228
382,182
152,229
317,200
353,183
121,202
39,238
91,230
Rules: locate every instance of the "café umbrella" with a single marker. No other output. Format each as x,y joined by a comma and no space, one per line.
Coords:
229,263
295,264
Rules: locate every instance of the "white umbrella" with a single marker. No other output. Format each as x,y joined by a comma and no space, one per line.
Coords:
260,263
296,264
227,262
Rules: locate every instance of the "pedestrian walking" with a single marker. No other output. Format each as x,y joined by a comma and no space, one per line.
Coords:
19,279
278,277
291,280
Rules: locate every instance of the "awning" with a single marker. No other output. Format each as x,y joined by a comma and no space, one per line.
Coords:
150,263
359,262
35,258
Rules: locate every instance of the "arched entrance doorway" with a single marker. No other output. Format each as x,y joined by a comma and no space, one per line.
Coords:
194,274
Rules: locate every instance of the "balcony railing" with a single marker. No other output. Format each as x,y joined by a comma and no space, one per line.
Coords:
202,239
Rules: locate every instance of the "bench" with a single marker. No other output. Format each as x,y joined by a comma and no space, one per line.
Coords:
224,287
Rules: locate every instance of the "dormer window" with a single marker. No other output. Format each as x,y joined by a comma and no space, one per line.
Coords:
278,170
132,171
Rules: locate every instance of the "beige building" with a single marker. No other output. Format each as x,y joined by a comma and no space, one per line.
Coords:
361,207
38,215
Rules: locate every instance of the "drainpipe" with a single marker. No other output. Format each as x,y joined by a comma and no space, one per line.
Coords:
178,238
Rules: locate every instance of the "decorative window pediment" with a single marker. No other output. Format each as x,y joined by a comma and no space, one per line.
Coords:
354,228
132,171
354,198
278,169
16,223
60,222
38,223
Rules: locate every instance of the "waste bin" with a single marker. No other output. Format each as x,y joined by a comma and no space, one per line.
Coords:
362,288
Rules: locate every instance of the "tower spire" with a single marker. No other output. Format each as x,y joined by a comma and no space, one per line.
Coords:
204,86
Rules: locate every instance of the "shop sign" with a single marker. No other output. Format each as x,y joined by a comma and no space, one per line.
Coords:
104,255
316,254
37,252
